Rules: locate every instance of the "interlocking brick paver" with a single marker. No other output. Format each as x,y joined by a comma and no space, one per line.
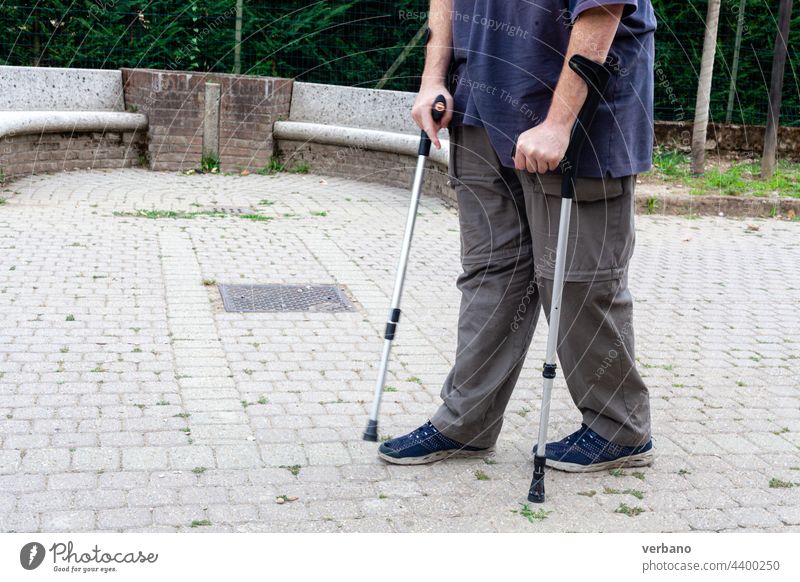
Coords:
151,407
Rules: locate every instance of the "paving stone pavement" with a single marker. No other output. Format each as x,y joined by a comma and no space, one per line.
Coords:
131,401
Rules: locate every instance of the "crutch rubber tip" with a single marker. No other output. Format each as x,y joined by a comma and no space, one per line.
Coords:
371,434
536,492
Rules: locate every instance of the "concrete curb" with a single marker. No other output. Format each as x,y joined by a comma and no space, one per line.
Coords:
709,205
35,122
357,138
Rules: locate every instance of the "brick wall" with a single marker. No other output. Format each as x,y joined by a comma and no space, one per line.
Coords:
174,103
52,152
370,166
743,140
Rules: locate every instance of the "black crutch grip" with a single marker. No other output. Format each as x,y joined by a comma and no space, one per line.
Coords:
596,76
438,110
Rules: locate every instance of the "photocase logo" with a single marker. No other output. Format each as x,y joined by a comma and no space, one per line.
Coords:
31,555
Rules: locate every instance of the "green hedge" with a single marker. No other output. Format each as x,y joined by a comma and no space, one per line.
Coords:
355,42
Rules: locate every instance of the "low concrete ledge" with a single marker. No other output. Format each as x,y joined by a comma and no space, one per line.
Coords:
37,122
357,138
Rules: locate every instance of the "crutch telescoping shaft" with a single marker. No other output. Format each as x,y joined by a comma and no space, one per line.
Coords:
596,76
437,111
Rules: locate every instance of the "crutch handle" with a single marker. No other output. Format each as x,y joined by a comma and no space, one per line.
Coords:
596,76
438,109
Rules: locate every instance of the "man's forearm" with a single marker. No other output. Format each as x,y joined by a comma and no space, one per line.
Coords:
440,46
591,37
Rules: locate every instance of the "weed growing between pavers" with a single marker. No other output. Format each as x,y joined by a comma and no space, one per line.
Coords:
590,493
629,511
780,484
199,523
532,516
188,215
635,492
293,469
481,476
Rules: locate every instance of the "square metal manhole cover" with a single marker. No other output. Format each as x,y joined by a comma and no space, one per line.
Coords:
277,298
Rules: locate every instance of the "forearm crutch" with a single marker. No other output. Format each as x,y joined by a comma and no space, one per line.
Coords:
596,77
437,111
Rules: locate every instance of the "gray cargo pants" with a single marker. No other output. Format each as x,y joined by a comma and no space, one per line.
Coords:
509,227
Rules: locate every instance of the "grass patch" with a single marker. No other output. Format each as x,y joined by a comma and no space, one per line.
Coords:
489,461
263,400
670,163
255,217
481,476
779,484
651,205
635,492
199,470
209,163
3,201
301,168
389,389
523,412
70,317
616,472
738,179
743,179
293,469
273,167
639,475
174,214
590,493
532,516
199,523
209,282
629,511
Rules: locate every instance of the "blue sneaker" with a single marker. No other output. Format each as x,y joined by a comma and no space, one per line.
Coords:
584,451
426,445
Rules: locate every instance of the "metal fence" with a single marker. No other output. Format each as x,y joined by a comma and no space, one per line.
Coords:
358,43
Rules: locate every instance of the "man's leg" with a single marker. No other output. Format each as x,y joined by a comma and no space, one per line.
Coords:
596,342
500,301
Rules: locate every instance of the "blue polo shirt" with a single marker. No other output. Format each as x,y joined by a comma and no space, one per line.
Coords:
508,55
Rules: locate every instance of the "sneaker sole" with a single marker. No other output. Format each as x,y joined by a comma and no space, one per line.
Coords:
437,456
641,460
